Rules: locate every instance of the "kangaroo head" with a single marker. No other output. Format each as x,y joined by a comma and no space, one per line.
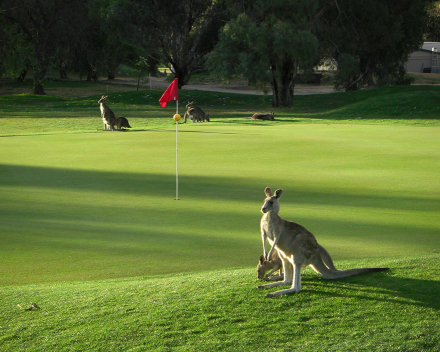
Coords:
190,105
102,100
271,201
263,267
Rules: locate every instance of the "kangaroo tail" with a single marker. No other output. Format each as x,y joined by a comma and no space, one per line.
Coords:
325,256
331,274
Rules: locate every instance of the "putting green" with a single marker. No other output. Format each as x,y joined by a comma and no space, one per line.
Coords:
102,205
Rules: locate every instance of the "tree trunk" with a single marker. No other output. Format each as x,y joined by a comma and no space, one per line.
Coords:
182,76
23,74
63,71
39,75
112,70
283,83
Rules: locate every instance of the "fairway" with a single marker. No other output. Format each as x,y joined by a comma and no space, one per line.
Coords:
89,206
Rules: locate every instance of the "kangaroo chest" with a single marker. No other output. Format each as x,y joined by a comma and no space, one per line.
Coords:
270,227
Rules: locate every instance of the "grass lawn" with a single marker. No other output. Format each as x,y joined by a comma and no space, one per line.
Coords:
91,231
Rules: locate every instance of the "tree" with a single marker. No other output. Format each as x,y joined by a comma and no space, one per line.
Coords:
46,24
268,41
371,39
179,33
433,25
15,51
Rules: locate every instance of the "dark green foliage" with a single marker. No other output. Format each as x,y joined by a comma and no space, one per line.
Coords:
268,42
371,39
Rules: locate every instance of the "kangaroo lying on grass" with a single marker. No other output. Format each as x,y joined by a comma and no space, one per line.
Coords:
270,116
297,248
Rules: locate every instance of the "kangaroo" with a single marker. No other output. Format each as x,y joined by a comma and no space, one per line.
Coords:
276,263
189,106
270,116
298,248
196,114
121,121
108,117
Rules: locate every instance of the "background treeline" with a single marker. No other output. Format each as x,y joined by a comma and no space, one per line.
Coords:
267,42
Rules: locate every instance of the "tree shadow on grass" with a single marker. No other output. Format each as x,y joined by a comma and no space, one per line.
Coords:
161,184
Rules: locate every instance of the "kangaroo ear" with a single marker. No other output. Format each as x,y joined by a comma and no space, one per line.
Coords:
268,192
261,259
278,193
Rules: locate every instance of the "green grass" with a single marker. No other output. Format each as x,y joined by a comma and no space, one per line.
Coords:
91,231
223,311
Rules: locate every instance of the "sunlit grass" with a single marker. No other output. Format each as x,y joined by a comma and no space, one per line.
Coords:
90,229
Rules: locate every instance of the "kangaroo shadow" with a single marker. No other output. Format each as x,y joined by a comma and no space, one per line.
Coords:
402,290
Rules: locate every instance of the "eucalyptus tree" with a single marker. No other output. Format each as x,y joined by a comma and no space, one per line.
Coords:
15,51
46,24
179,33
267,42
433,25
371,39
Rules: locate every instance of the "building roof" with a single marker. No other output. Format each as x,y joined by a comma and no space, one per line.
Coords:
428,46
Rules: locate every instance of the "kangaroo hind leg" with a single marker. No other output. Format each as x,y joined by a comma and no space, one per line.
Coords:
296,285
288,276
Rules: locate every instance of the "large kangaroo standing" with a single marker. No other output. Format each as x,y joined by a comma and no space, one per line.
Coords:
297,247
108,117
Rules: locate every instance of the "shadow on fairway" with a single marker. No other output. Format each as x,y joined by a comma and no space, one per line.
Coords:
161,185
390,288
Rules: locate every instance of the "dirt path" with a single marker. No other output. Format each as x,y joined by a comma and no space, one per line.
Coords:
106,87
239,87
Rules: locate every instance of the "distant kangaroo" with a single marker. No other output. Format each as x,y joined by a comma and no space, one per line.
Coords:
121,121
270,116
108,117
195,113
297,248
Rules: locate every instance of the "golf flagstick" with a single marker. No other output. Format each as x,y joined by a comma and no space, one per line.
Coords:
172,93
177,118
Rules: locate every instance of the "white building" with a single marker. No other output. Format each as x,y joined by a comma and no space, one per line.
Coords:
425,59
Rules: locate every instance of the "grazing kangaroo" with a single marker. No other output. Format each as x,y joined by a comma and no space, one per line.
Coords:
298,248
276,263
195,113
270,116
121,121
108,117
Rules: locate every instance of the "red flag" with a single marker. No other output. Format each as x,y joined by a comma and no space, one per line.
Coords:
172,93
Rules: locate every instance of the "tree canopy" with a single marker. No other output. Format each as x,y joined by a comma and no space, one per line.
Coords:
267,42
